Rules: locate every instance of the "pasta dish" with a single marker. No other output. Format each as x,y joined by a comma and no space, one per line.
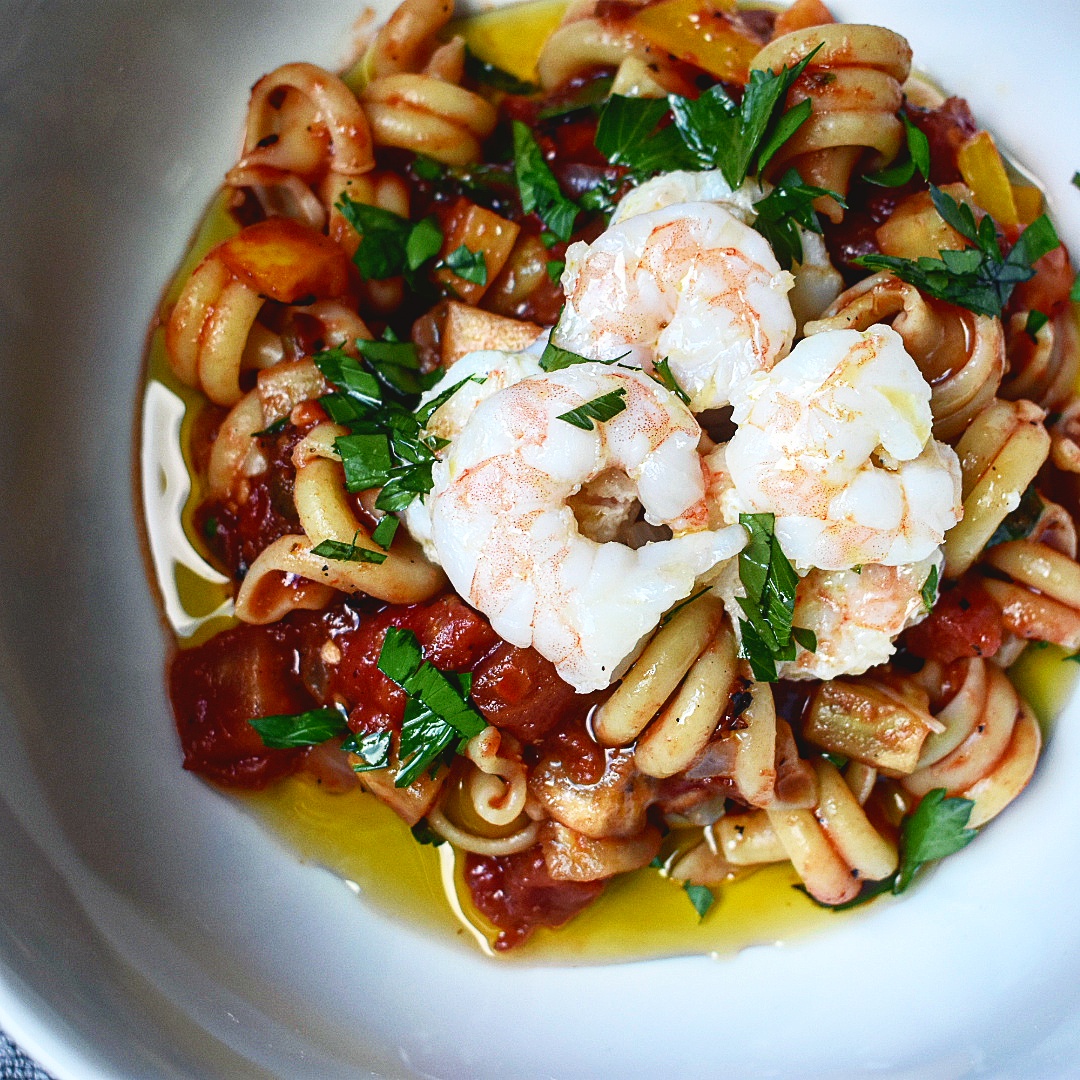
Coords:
649,463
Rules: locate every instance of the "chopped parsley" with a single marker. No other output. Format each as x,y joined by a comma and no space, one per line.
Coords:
438,712
375,398
602,408
929,589
769,604
383,533
978,278
1036,320
779,215
663,374
555,268
555,358
918,157
711,132
275,428
701,896
390,244
1019,523
283,732
335,549
539,190
371,747
467,264
673,611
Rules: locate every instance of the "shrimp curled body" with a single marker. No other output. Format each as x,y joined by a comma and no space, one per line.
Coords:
502,528
836,442
689,283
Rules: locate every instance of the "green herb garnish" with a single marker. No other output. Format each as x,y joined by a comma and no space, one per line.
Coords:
438,713
383,533
389,244
283,732
539,190
663,374
555,267
929,589
1036,320
779,215
1019,523
467,264
769,604
335,549
673,611
701,896
371,747
599,409
277,426
978,278
918,157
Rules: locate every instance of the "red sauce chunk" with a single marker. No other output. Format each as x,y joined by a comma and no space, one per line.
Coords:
965,622
517,894
217,687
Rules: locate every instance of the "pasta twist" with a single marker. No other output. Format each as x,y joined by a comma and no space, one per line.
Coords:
302,124
408,39
1042,368
853,84
428,116
832,845
1040,601
585,42
1000,453
988,748
960,354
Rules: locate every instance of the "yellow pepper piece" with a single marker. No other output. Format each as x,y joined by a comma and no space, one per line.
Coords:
1029,202
698,32
983,170
511,37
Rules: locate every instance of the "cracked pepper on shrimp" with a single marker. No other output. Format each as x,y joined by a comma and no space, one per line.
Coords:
586,512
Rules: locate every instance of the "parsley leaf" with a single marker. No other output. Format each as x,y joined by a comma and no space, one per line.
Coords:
978,278
918,157
555,358
423,833
496,77
769,605
335,549
937,828
663,374
626,135
371,747
438,712
673,611
930,589
789,205
469,265
555,268
387,446
309,728
389,244
701,896
1019,523
602,408
383,533
540,191
1036,320
590,95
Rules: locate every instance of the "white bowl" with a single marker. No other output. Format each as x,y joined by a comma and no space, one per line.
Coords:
147,926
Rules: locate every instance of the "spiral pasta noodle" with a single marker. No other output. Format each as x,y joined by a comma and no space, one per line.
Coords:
960,354
1042,367
853,84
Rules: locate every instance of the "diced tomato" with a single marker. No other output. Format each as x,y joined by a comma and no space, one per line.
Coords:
965,622
946,129
217,687
517,894
520,691
1048,290
287,261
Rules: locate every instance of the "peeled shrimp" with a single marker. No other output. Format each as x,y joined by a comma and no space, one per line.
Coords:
836,442
689,283
503,530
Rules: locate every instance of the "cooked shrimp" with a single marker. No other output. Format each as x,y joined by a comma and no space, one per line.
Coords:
690,283
503,529
836,442
669,189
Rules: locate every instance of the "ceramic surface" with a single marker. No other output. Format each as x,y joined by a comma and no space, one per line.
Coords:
150,929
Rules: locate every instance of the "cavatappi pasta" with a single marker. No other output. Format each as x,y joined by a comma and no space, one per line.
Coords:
609,597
